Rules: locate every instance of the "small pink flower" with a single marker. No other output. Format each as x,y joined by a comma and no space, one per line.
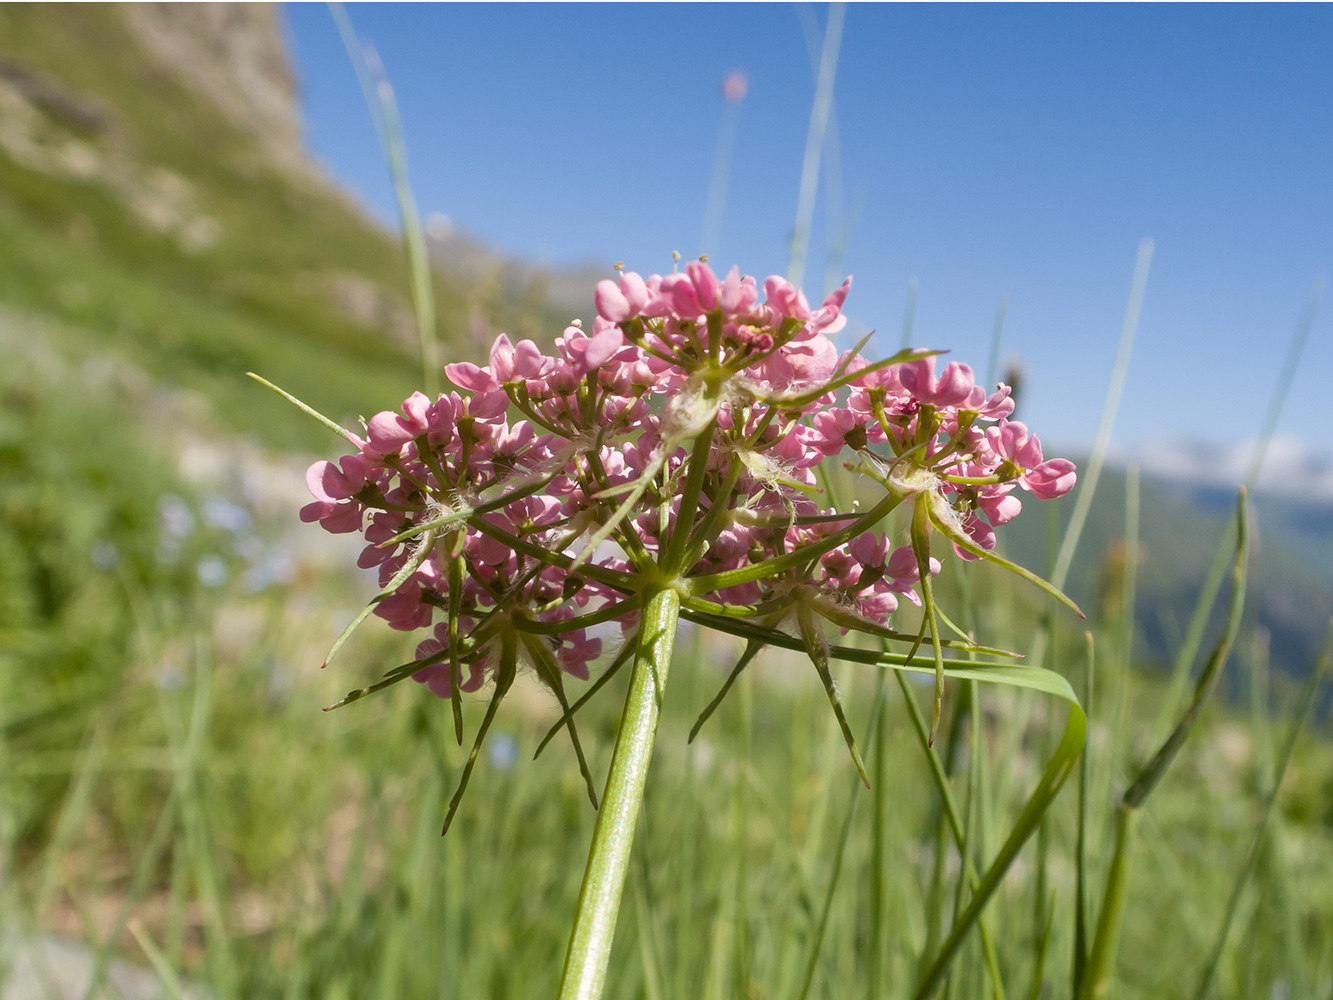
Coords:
330,482
954,385
1051,479
388,432
788,300
574,658
737,296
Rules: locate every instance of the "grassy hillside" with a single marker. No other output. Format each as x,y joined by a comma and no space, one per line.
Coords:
134,209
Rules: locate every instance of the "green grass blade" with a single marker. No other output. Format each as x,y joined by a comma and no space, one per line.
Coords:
1057,770
1081,836
1101,960
1043,949
1298,722
384,111
1203,607
814,142
1212,672
1088,487
873,735
165,974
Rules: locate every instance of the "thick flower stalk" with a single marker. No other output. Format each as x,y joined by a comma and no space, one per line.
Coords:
664,463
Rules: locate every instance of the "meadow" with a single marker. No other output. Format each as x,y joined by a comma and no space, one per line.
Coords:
173,794
172,797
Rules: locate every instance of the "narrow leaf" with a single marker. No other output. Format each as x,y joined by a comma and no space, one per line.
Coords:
399,578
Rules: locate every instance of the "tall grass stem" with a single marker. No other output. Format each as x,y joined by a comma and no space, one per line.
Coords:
1298,721
1203,608
814,142
384,110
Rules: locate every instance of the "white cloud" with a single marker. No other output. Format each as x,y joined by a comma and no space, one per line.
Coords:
1290,468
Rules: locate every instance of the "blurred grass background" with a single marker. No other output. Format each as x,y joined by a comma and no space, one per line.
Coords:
171,798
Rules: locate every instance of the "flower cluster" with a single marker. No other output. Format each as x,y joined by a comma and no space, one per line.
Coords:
678,443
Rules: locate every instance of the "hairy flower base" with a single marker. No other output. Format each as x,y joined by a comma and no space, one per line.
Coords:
679,444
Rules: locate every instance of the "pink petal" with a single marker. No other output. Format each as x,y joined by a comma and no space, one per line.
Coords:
706,285
611,302
469,376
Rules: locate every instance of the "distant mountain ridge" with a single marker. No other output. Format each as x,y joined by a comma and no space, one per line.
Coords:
1290,592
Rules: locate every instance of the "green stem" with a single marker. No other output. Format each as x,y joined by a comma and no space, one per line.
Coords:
603,881
1097,973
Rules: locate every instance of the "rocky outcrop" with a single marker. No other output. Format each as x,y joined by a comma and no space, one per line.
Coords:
233,54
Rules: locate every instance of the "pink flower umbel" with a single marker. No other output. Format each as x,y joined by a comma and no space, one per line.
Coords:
531,516
673,461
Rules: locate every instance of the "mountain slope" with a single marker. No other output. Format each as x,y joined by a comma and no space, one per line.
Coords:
172,217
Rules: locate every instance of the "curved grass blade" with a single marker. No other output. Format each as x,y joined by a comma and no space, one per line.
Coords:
1101,960
1212,672
1203,608
1057,770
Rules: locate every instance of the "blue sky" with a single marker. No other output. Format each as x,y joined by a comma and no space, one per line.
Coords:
985,150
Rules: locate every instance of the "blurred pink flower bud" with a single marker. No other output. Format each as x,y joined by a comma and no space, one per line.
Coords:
736,296
735,85
706,285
